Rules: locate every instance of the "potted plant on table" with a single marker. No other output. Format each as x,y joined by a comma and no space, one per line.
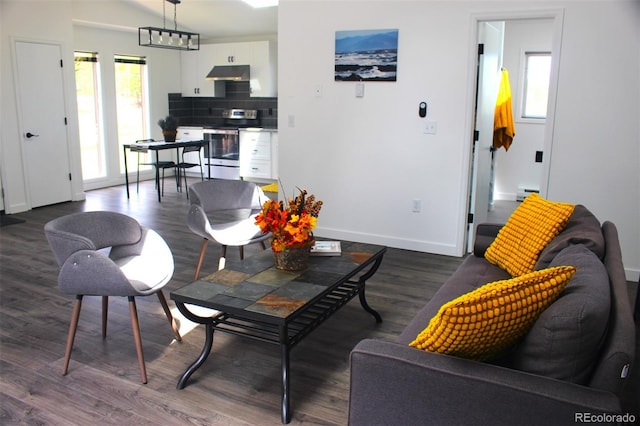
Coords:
291,229
169,126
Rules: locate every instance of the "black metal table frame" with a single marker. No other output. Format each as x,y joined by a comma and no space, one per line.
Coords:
290,331
157,148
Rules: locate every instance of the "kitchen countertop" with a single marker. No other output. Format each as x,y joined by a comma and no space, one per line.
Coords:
259,129
249,129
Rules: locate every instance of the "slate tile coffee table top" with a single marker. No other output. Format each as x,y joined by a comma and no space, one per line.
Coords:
256,300
256,286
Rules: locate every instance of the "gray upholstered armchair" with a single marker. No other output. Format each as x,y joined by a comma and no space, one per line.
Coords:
139,263
224,211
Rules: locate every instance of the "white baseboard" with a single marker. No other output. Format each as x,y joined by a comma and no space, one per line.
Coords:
389,241
504,196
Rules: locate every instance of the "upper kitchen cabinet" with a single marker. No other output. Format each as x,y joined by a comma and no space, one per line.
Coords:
261,56
195,65
231,54
264,63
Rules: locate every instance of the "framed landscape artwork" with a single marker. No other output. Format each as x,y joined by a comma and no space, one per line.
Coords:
366,55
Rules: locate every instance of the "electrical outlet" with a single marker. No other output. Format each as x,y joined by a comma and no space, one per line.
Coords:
417,205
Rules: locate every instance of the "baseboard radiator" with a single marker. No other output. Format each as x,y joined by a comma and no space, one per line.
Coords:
524,192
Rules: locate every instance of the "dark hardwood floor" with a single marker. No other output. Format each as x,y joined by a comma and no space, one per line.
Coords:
240,382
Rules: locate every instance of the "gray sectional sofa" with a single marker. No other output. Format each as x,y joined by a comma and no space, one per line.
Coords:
569,368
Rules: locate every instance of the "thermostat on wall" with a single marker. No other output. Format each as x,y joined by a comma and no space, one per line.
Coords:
422,109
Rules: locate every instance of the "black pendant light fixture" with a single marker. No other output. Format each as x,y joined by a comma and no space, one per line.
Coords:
167,38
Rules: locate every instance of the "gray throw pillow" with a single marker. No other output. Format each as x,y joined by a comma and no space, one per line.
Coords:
565,341
583,228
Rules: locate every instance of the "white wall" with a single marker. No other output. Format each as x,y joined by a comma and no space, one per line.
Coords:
517,167
53,20
19,22
367,158
596,149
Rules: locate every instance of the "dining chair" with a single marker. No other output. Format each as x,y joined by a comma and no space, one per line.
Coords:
161,165
182,166
103,253
224,211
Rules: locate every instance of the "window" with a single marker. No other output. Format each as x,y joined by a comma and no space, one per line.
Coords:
131,103
92,147
536,85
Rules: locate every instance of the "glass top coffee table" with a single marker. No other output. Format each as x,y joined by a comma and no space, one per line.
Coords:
258,301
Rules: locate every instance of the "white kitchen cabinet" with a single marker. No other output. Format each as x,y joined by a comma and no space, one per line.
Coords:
261,56
263,69
195,65
257,155
274,154
191,134
232,53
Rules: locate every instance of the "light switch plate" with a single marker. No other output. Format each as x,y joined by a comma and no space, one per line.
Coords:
359,90
430,127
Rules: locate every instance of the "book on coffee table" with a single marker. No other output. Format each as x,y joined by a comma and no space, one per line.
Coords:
326,248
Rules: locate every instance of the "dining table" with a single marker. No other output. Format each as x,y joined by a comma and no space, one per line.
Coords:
155,146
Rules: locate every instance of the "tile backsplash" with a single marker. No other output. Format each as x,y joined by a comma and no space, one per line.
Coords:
208,111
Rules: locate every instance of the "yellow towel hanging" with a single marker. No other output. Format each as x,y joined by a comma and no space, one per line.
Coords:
504,129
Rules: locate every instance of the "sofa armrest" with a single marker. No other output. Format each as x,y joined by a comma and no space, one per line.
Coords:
396,384
485,234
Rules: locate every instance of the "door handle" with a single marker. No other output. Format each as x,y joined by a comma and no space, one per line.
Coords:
31,135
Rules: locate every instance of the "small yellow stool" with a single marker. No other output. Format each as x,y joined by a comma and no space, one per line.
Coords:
273,187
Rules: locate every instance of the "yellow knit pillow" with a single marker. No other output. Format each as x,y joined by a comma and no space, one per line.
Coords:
481,324
529,229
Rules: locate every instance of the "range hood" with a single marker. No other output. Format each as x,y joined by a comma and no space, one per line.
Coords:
229,72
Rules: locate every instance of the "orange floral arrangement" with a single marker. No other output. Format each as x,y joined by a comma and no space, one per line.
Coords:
292,226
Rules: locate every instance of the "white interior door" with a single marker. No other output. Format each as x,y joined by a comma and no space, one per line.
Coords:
42,117
491,36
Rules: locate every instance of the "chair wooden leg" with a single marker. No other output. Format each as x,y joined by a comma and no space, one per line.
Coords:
203,249
167,312
105,309
72,333
223,258
135,327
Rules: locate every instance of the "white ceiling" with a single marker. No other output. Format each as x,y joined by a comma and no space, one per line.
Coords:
214,19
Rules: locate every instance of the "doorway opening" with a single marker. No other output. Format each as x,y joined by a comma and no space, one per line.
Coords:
503,176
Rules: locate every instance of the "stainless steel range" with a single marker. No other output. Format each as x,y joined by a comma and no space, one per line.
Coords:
222,151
